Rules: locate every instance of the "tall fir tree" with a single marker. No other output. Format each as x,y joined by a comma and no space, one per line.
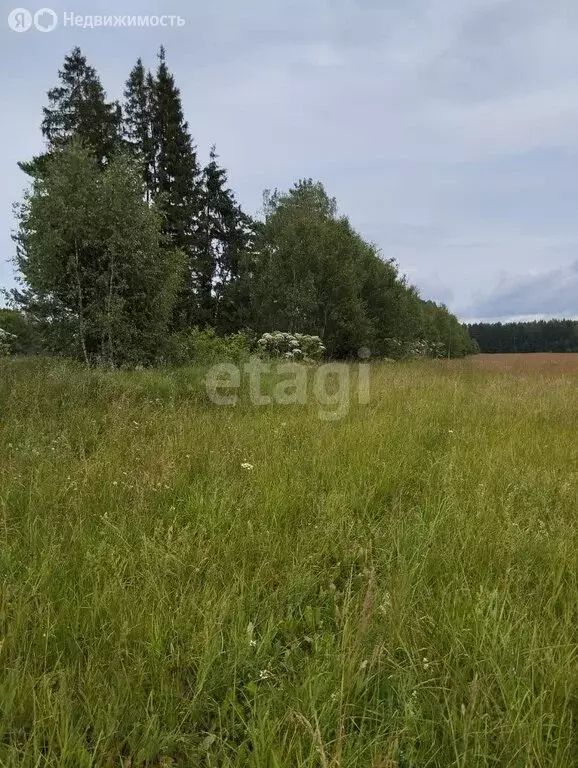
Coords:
226,239
137,123
176,182
202,217
78,109
78,114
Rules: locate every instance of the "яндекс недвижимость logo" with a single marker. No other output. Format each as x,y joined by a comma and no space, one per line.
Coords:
21,20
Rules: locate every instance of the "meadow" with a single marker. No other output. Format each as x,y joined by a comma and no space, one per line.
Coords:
186,584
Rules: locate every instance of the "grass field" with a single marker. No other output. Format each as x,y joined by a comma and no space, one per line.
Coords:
395,589
539,362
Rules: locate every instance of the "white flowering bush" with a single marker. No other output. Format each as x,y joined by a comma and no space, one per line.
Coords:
292,346
415,349
5,342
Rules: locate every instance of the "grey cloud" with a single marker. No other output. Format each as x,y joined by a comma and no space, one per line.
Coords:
506,47
447,129
552,293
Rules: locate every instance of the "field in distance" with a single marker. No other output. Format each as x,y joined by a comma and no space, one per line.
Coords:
186,584
539,362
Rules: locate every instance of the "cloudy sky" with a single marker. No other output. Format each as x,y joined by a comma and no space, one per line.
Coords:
447,129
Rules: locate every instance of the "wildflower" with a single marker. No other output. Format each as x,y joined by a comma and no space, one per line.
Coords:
426,664
245,465
250,630
114,482
385,604
411,704
264,674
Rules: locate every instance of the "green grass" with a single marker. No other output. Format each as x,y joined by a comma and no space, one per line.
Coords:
395,589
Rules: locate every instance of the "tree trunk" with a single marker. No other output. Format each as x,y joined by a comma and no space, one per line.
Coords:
80,303
109,314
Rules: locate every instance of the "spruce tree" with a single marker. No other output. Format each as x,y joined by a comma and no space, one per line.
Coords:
77,108
202,217
226,239
137,123
176,182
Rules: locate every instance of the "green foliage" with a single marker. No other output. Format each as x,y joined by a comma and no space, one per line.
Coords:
308,279
439,325
89,249
536,336
303,269
398,349
176,183
298,346
77,109
316,275
6,343
203,345
225,235
24,335
137,126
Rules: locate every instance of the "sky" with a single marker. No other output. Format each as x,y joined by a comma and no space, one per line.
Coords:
446,129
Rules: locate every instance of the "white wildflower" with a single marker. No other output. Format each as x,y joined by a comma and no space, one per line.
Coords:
245,465
385,603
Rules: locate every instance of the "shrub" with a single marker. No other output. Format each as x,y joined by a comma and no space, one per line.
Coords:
6,343
205,346
24,336
295,346
418,348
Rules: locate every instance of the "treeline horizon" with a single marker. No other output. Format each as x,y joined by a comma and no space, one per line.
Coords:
528,336
126,242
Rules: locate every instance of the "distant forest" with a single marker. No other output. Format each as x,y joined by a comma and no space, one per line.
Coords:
536,336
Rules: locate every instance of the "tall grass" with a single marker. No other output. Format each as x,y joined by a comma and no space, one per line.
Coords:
395,589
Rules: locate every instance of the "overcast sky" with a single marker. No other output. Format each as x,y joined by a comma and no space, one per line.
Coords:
446,129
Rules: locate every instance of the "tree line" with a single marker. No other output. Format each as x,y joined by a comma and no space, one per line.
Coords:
126,242
535,336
